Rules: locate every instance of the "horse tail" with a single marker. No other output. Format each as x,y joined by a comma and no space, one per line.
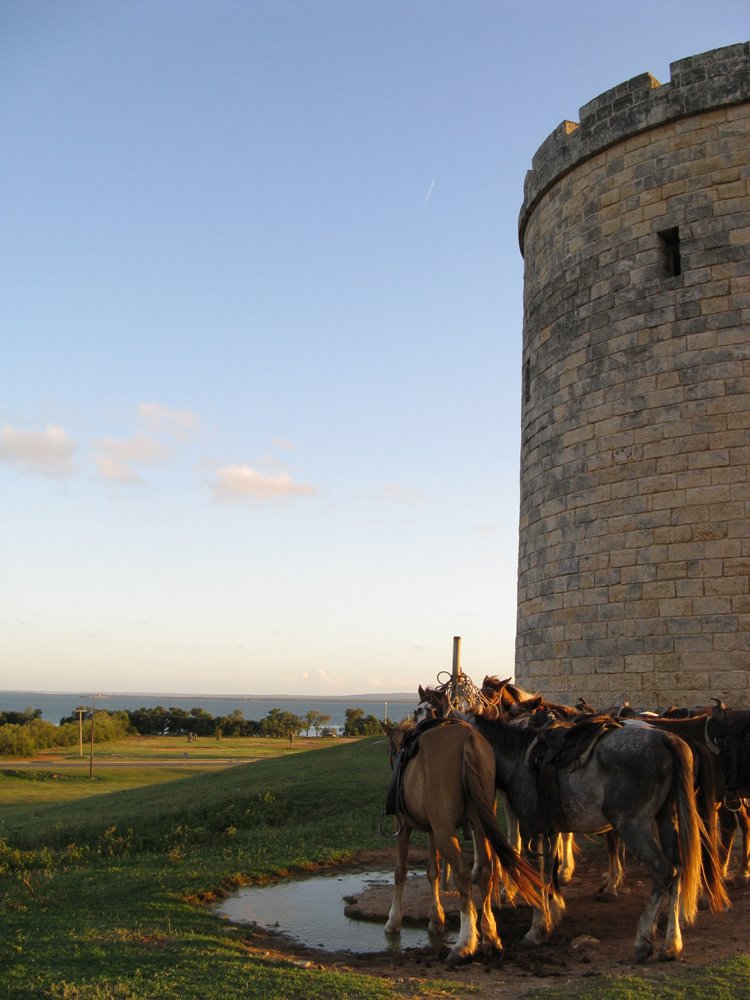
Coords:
515,868
712,869
691,830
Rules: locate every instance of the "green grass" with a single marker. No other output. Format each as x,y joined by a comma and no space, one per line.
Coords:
101,895
25,794
23,790
177,747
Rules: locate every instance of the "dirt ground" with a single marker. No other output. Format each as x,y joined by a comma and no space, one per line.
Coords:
594,939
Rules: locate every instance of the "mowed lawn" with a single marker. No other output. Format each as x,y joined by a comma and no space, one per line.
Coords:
63,775
178,748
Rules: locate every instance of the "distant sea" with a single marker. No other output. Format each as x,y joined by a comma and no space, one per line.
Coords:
57,705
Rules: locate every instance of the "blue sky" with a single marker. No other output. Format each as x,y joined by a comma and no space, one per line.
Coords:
260,319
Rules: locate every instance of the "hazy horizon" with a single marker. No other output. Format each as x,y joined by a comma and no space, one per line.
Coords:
232,696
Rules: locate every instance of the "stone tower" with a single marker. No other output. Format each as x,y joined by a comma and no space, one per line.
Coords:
634,555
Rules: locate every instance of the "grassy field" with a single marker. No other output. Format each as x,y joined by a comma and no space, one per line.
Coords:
177,748
101,894
24,790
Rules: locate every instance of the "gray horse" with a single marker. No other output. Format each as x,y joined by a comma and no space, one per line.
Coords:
637,782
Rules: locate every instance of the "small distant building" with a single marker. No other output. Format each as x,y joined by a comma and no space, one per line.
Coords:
634,555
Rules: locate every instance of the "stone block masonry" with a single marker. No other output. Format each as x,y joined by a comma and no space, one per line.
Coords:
634,548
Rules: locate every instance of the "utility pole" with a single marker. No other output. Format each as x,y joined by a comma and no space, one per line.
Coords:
91,751
80,713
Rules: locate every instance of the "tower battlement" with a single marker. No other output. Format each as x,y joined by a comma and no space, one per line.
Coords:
714,79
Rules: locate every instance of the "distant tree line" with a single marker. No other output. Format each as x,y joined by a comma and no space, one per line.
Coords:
24,733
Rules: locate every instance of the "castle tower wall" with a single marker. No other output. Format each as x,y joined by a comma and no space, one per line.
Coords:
634,547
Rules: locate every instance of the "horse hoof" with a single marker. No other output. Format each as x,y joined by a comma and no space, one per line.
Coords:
491,949
604,896
667,955
462,958
531,941
643,952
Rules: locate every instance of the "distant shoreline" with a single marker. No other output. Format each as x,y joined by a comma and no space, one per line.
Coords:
398,696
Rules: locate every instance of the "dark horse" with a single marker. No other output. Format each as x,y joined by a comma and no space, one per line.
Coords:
635,781
445,779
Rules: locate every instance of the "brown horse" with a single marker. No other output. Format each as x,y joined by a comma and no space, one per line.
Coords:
448,782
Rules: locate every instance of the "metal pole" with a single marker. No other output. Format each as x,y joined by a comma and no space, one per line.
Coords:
385,711
455,677
456,671
91,751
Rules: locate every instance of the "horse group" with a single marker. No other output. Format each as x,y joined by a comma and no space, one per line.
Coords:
670,791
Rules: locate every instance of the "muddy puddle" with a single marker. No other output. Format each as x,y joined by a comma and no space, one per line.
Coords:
310,911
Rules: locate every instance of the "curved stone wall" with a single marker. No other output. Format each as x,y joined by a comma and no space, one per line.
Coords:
634,555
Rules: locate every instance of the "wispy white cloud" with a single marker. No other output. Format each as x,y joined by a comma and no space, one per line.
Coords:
429,192
158,417
243,484
49,452
116,459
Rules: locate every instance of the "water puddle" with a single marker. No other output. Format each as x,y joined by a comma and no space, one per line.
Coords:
310,911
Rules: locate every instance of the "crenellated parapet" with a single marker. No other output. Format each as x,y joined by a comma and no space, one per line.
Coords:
712,80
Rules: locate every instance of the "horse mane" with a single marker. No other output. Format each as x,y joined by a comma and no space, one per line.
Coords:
504,736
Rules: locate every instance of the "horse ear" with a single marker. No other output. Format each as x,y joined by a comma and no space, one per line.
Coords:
719,711
387,729
420,692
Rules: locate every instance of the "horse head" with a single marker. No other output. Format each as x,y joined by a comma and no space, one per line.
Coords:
433,704
395,736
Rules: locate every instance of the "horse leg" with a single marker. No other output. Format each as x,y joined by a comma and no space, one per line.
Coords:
543,921
743,821
393,925
437,915
639,838
484,863
467,942
568,860
607,893
729,823
673,935
508,892
728,829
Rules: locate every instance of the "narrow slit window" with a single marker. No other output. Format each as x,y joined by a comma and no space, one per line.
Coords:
527,381
669,252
